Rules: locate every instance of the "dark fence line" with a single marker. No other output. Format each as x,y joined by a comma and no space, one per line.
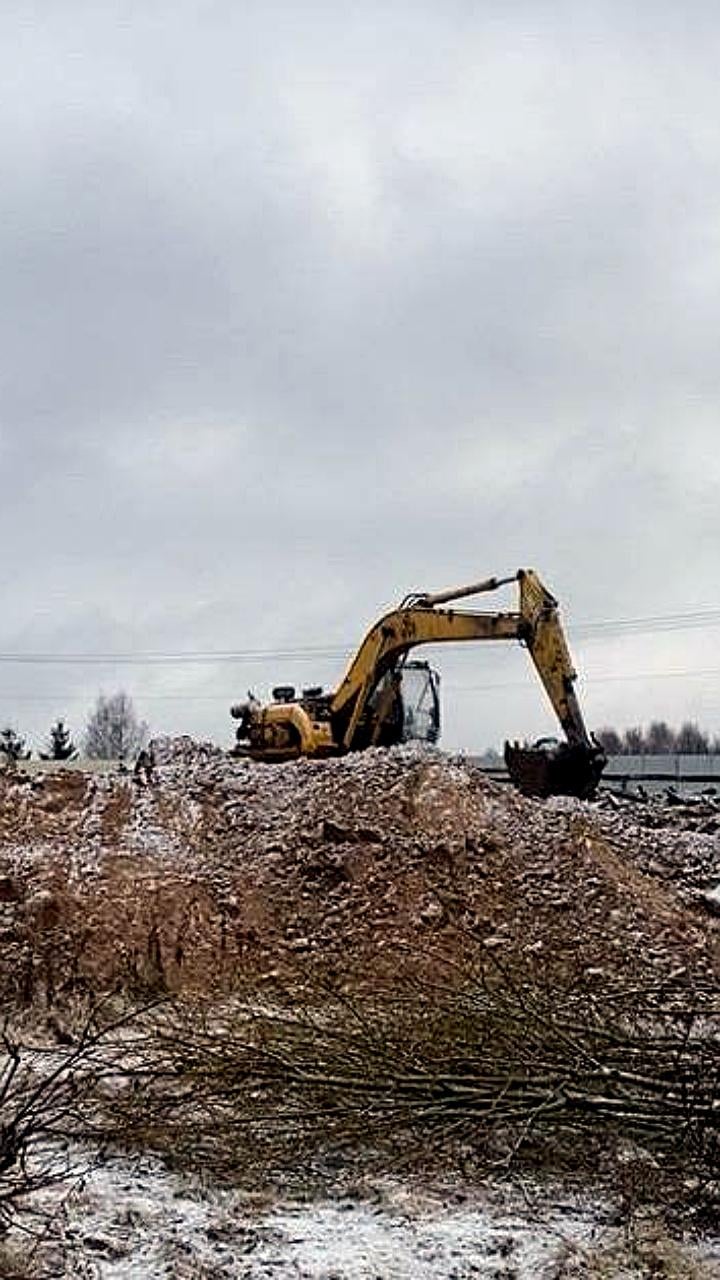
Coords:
615,777
662,777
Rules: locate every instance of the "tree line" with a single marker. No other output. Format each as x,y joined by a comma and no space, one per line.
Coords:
112,732
658,739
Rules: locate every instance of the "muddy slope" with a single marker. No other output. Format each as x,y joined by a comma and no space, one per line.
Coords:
228,870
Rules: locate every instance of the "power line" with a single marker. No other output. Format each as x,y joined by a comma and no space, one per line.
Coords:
12,696
692,620
687,673
662,622
191,657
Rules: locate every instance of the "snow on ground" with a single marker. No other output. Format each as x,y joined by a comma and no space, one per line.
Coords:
132,1220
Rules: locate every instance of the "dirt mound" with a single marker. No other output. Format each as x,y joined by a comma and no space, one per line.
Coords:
227,870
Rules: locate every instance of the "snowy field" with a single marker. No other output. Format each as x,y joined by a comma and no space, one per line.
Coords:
133,1220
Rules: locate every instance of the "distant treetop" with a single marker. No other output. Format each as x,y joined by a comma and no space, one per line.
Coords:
658,740
113,731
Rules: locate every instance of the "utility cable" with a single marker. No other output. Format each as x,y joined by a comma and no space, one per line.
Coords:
688,673
600,628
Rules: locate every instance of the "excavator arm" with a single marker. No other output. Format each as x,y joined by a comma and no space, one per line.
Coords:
424,619
387,643
545,640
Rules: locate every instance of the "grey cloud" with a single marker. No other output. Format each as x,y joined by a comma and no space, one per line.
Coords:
307,305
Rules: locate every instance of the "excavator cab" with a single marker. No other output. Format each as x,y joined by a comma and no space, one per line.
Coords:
420,692
404,706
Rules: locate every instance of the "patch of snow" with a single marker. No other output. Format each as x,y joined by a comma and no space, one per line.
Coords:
134,1220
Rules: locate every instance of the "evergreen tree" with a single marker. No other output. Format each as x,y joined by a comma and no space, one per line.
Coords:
60,745
12,746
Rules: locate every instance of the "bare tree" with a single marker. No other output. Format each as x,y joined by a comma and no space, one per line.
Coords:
660,739
113,730
634,742
691,740
610,739
50,1094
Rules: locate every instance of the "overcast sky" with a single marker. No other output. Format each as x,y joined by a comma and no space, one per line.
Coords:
306,305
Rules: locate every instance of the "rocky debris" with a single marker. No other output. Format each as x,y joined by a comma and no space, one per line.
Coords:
676,840
230,870
184,750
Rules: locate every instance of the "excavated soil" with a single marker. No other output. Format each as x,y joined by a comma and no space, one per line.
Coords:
229,872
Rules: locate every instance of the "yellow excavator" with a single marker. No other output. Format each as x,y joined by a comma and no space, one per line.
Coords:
385,699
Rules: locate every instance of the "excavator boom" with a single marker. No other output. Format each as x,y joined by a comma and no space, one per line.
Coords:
392,638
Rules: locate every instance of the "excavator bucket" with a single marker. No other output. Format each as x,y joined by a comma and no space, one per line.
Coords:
550,768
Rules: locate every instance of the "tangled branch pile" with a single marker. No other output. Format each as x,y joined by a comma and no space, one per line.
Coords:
480,1068
48,1097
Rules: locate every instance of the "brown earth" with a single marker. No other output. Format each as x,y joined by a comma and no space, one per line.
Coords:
230,871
